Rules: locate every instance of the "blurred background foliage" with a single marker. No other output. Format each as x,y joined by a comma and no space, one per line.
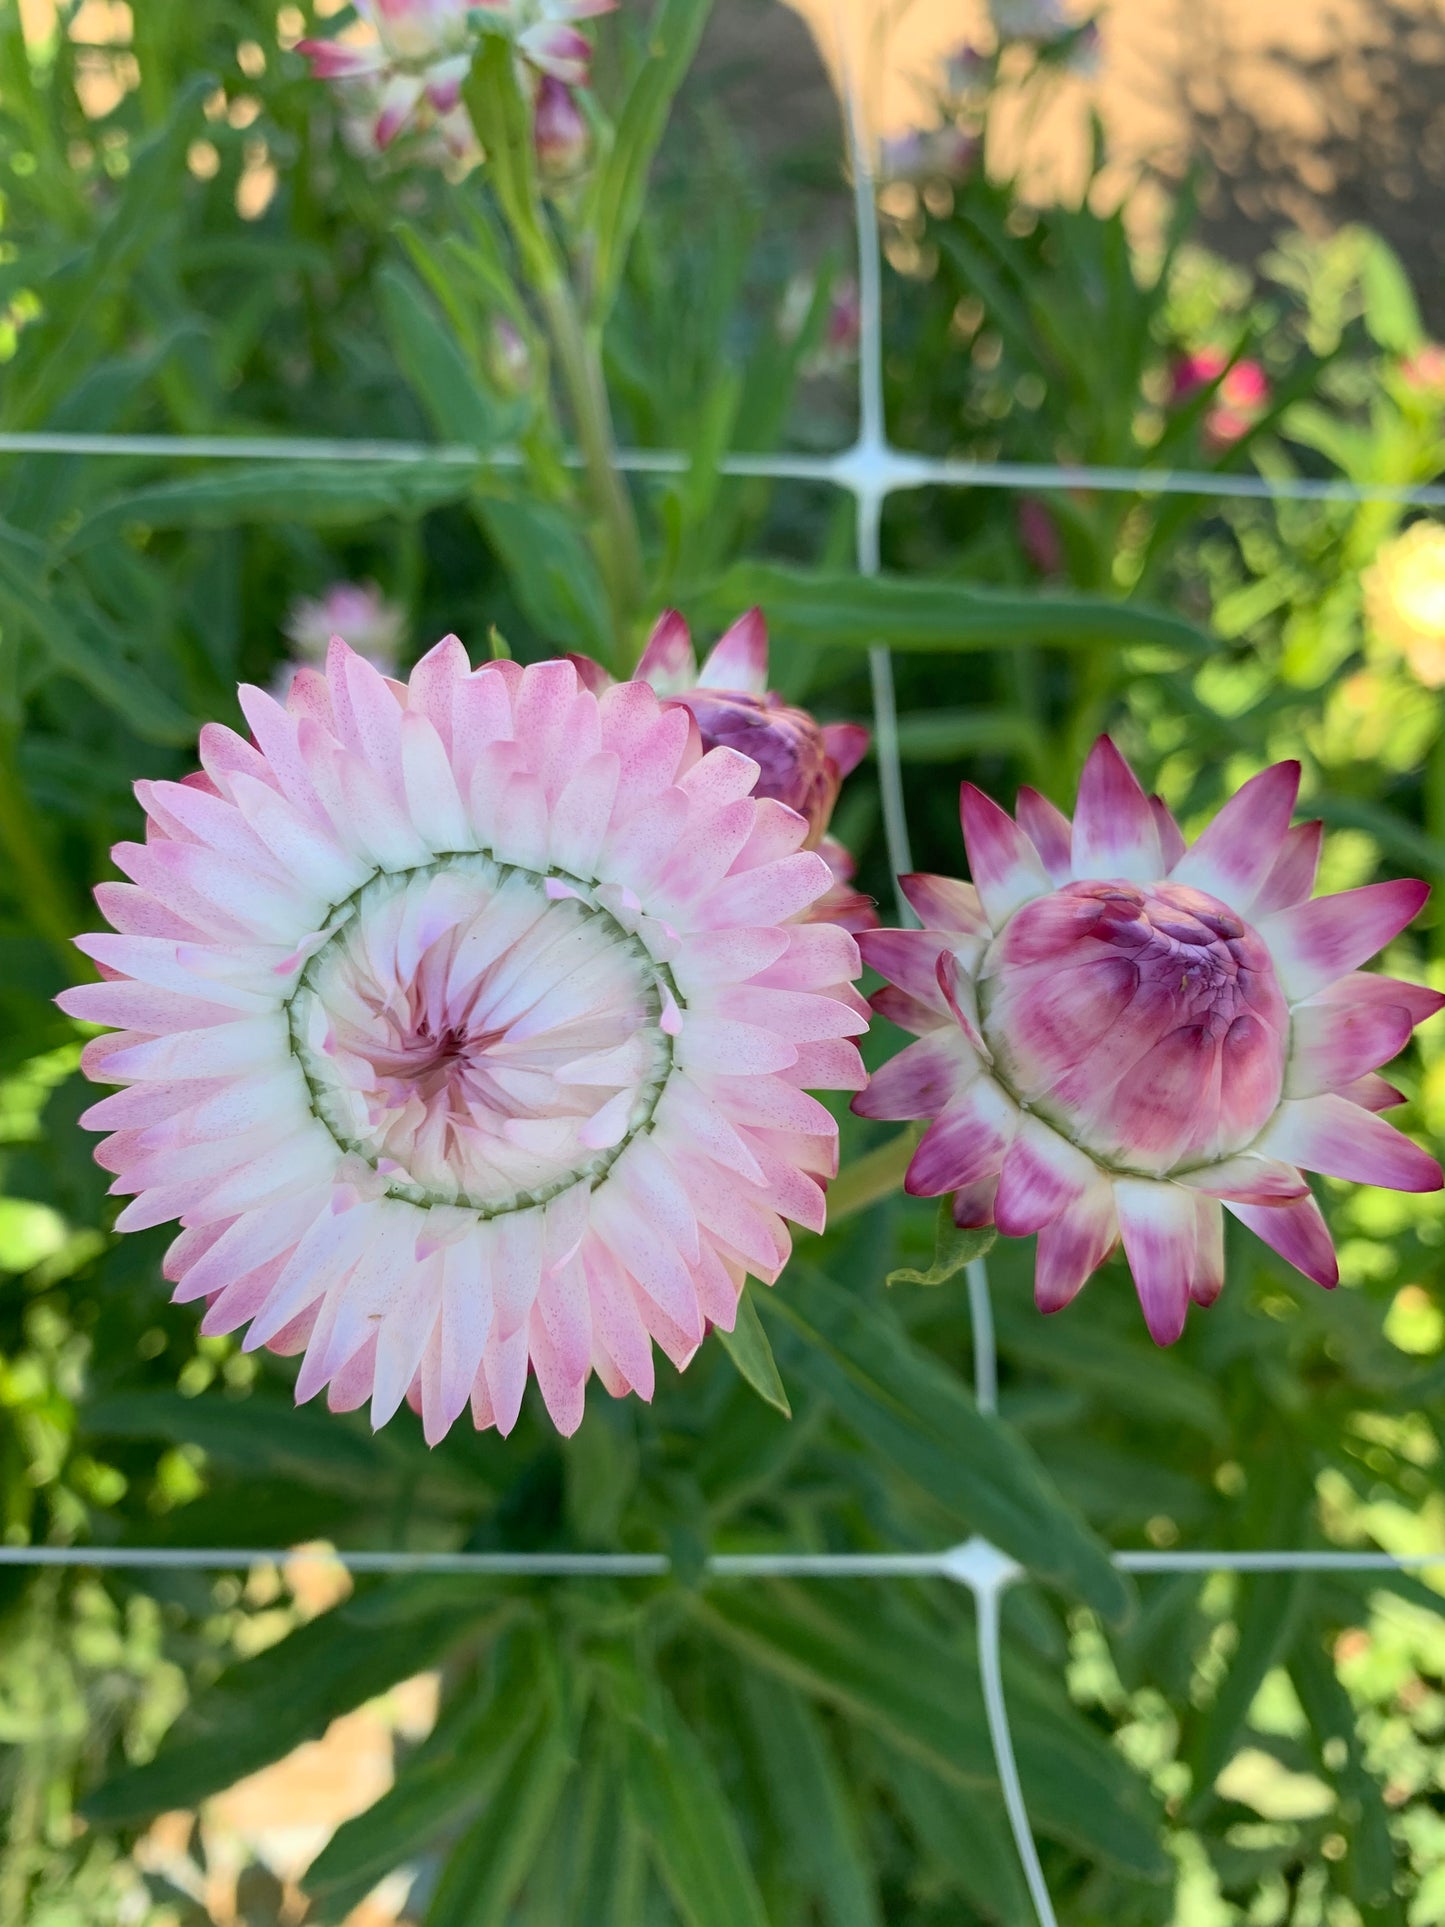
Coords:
190,243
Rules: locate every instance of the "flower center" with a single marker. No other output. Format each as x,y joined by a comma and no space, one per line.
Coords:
1146,1023
479,1041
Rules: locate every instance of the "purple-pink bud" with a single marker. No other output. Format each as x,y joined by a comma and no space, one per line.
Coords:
559,130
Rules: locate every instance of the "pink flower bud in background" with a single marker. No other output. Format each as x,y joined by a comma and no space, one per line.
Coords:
414,54
559,130
359,613
1424,371
1121,1036
1239,400
509,359
545,34
1039,535
921,156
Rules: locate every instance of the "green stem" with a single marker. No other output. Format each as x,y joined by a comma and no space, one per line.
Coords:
579,358
877,1174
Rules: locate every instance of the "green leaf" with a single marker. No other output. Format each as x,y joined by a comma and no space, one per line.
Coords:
689,1826
487,1868
456,1771
459,408
889,1670
258,1436
1370,1866
810,1803
550,568
933,614
616,197
262,1708
912,1410
1268,1613
966,1831
748,1348
316,494
952,1250
79,642
1391,314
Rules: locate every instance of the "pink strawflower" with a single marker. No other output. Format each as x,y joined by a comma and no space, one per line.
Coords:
1039,535
468,1028
1239,400
416,56
558,130
545,34
1120,1036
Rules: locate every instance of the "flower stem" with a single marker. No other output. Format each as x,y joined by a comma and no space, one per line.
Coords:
579,358
875,1175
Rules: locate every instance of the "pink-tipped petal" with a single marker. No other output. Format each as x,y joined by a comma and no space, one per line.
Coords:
1298,1232
1171,838
1317,942
1074,1245
1235,855
1114,831
739,658
965,1143
847,744
1292,875
1050,832
668,662
1247,1179
942,903
1159,1227
1042,1176
1334,1136
1333,1044
1007,871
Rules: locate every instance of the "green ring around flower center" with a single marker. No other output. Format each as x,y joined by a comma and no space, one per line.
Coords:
340,924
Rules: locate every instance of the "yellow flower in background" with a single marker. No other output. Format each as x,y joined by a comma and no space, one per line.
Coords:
1405,600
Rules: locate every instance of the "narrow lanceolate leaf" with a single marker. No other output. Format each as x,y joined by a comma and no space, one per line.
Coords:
1268,1613
316,494
79,642
811,1803
261,1709
259,1437
621,181
952,1250
1370,1863
456,1772
914,1412
933,614
748,1348
888,1670
492,1860
684,1814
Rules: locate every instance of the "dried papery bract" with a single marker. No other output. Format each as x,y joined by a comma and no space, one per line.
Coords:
1121,1037
468,1026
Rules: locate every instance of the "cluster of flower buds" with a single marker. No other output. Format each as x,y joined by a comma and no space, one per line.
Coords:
405,68
1046,26
1240,397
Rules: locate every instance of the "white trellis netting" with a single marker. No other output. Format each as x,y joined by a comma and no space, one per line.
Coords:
871,470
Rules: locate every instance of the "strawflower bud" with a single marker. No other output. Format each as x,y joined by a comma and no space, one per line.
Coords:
558,130
545,35
413,56
359,613
1121,1037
